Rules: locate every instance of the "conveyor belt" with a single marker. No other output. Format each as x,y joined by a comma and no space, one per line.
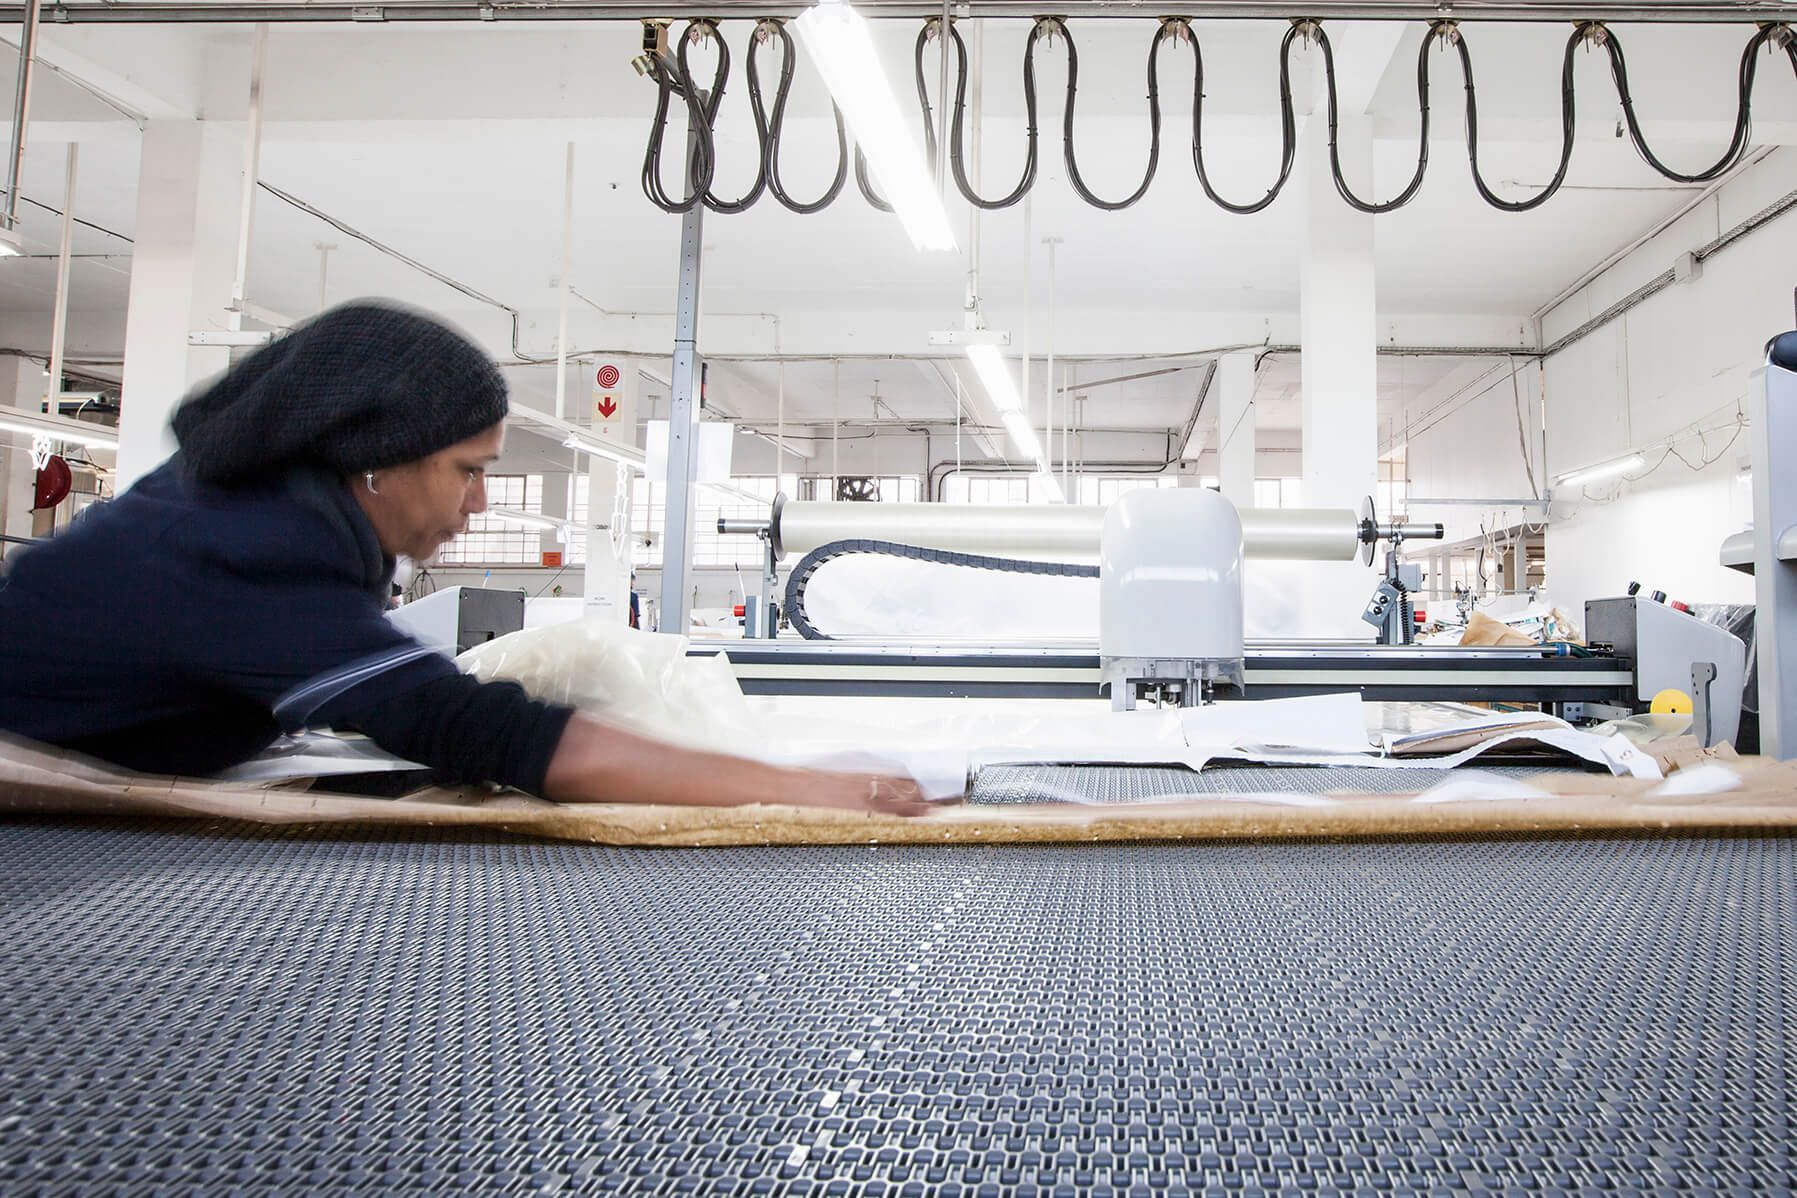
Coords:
1011,784
215,1009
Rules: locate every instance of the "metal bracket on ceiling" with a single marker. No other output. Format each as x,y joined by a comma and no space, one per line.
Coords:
1595,33
368,12
1309,30
1181,27
654,45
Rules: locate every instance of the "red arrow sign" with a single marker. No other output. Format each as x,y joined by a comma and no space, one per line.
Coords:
607,407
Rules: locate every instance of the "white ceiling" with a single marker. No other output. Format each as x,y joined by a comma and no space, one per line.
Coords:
448,142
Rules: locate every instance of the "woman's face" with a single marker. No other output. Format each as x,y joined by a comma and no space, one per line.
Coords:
417,507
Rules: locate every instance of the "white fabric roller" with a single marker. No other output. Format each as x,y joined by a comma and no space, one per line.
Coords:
1046,532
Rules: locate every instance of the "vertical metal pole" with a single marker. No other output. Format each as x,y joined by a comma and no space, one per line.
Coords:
683,421
324,269
20,109
252,169
1772,424
941,105
1048,391
975,317
1028,304
769,580
59,328
561,336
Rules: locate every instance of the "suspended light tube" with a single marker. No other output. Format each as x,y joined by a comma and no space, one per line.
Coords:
59,430
837,39
622,454
1601,471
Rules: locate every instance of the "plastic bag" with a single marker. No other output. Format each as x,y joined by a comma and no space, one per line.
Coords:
643,681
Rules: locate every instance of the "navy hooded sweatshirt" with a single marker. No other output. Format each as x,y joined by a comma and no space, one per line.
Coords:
164,631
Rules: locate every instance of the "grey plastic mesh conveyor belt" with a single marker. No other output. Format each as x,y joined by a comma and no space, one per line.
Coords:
218,1009
1008,784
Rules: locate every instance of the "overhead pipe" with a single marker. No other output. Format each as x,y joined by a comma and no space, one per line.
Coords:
15,162
1672,12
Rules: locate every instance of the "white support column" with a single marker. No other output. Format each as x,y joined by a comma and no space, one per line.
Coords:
190,180
1235,427
22,386
612,411
1339,371
1338,324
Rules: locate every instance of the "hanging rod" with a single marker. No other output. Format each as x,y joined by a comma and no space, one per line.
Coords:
1671,12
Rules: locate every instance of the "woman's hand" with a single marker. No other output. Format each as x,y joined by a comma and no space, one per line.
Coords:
880,793
599,763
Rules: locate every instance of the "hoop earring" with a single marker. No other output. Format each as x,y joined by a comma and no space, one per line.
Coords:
368,481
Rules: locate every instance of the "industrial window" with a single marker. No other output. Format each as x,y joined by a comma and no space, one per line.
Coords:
1393,496
579,489
1101,490
491,541
746,498
987,489
1278,492
891,488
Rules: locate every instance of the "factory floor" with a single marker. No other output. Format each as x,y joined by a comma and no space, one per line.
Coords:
219,1008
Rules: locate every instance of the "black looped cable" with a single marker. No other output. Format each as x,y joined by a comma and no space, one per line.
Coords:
812,562
957,122
922,42
1422,137
777,122
866,184
1737,146
1568,121
1074,177
672,78
714,101
1288,128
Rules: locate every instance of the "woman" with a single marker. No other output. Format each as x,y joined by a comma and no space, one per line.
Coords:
238,590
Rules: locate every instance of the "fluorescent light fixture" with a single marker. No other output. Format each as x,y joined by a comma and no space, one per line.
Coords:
837,39
1023,437
1024,441
57,430
527,519
11,245
617,453
1603,470
995,376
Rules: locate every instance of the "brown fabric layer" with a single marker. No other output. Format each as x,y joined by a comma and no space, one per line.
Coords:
42,781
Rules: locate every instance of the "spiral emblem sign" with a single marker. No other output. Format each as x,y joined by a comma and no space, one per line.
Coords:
608,376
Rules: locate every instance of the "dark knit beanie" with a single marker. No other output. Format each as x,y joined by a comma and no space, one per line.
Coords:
361,387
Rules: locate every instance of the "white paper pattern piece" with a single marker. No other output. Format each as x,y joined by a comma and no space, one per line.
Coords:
1709,778
1479,788
1313,723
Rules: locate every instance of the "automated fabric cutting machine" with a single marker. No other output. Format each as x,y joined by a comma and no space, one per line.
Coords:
1169,566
